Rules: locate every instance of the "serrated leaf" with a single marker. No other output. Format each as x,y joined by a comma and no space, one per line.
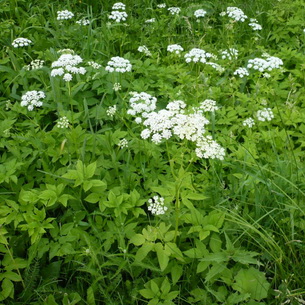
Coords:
202,266
215,270
251,281
165,287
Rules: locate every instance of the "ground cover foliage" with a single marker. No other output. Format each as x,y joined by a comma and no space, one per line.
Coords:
152,154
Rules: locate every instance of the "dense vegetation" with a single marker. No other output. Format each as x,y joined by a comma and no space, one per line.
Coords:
152,154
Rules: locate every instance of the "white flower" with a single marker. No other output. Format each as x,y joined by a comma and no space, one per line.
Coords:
174,48
265,114
241,72
144,49
174,10
262,65
118,64
64,15
255,26
229,54
83,21
208,148
208,105
123,143
32,99
63,122
156,205
66,67
235,13
117,87
141,103
119,6
217,67
249,122
34,65
118,16
67,77
21,42
200,13
94,65
152,20
197,55
111,110
162,5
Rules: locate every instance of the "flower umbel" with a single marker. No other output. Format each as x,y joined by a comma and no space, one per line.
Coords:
156,205
32,99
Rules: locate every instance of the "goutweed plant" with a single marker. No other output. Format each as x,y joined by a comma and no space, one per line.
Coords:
152,153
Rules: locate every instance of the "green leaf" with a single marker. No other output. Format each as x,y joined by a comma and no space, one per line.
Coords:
163,256
93,198
215,242
143,251
253,282
165,287
90,170
137,240
90,296
202,266
214,271
147,293
7,289
176,273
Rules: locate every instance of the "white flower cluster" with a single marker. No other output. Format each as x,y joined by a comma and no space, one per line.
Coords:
152,20
32,99
200,13
63,123
66,67
162,5
119,6
174,10
116,87
141,104
156,205
83,21
235,13
173,120
21,42
260,64
174,48
208,105
34,65
265,114
111,111
118,16
118,64
241,72
255,25
94,65
229,54
123,143
249,122
144,49
217,67
209,149
64,15
197,55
